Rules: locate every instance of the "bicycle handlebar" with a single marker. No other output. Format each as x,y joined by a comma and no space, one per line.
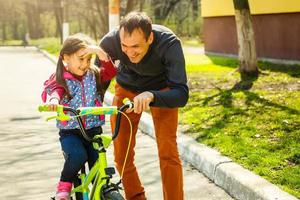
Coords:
105,110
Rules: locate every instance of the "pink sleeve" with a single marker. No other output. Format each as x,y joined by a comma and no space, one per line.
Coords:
107,71
52,89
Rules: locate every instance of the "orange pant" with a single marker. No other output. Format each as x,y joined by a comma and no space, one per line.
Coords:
165,122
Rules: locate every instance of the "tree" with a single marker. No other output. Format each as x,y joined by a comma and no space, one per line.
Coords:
246,42
102,13
130,6
33,11
58,13
162,9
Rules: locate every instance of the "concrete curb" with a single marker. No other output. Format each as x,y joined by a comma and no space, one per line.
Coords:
237,181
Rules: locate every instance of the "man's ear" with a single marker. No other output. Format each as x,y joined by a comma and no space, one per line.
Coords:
150,39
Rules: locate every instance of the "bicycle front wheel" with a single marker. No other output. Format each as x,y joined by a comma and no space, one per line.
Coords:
113,195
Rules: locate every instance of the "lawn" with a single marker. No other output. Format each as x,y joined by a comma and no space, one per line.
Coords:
258,128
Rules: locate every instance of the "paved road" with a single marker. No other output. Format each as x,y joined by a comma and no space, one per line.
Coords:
194,50
30,156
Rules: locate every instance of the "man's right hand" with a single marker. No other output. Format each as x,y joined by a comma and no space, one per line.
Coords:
141,102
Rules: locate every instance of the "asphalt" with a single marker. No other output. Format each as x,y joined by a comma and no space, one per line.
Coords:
30,156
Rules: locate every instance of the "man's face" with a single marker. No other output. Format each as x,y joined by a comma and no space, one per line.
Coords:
135,46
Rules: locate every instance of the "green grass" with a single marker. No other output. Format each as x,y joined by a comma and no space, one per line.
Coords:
11,42
52,45
208,64
258,128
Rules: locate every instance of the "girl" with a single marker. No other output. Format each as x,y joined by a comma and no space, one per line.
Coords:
77,83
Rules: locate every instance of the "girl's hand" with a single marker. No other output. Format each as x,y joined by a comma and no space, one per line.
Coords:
93,49
53,103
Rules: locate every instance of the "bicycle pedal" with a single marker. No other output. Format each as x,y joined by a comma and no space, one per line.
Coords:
110,171
53,198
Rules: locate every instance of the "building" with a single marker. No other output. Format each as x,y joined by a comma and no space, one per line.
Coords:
276,26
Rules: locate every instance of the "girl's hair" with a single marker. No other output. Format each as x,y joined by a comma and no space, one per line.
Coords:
70,46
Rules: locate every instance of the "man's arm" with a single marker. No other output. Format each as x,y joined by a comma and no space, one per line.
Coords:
178,93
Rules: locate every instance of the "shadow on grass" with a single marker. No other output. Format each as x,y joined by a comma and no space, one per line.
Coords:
225,99
292,70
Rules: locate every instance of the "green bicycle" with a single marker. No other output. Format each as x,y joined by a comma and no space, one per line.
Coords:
96,184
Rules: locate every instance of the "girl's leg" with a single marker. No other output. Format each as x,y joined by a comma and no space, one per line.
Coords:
91,152
92,155
75,156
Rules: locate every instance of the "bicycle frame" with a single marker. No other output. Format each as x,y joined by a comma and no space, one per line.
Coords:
97,173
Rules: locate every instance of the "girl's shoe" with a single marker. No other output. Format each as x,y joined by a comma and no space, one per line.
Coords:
62,196
63,190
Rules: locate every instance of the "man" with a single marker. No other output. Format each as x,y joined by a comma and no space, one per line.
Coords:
151,73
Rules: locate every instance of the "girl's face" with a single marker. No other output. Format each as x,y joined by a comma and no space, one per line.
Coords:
78,63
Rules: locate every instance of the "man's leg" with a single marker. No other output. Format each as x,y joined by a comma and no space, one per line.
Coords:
165,122
131,182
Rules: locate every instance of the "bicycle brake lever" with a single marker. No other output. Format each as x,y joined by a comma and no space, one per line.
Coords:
61,116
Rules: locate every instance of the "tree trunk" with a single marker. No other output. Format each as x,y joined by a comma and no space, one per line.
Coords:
33,19
58,12
141,7
15,30
4,35
130,6
162,9
102,10
246,42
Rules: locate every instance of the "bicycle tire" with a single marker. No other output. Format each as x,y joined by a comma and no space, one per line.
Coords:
113,195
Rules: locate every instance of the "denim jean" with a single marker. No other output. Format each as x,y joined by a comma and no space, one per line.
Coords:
77,151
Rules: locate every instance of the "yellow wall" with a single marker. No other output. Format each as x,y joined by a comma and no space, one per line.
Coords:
210,8
274,6
214,8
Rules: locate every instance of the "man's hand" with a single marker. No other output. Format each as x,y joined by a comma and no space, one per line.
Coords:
141,102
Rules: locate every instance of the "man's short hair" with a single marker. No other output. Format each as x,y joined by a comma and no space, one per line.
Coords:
137,20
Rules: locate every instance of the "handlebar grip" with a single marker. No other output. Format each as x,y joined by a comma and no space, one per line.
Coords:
46,108
107,110
127,102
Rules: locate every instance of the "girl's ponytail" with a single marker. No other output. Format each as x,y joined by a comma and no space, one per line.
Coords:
60,68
